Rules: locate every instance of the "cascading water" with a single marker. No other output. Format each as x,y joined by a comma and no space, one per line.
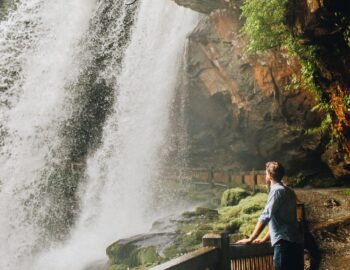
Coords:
69,92
37,44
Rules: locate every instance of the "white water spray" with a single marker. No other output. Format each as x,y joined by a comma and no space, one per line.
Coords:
37,45
116,196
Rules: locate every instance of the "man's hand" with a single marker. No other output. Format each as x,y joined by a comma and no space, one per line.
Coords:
258,229
259,241
264,239
244,241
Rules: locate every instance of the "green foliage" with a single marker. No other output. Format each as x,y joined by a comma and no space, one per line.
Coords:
233,196
323,128
347,102
265,26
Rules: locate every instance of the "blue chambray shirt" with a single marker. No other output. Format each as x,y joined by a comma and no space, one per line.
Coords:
280,214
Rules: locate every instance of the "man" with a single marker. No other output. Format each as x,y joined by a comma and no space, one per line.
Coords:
280,214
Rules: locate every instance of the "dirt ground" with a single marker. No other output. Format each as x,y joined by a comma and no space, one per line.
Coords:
322,207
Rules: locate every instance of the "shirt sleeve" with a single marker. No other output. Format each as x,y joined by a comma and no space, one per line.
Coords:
271,207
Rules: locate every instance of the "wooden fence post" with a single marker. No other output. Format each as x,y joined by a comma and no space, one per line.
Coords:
254,180
211,176
242,178
220,241
229,177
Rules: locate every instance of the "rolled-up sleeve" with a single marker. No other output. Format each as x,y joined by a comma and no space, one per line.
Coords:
271,207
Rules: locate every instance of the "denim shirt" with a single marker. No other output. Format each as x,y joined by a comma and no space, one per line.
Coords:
280,214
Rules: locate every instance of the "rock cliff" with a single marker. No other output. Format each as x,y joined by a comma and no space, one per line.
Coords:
241,111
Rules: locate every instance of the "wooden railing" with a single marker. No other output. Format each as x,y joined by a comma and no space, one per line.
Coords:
218,254
203,258
251,257
219,176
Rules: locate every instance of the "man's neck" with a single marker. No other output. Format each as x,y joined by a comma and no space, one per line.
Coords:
273,182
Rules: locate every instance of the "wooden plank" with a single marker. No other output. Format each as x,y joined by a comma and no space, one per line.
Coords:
200,259
238,251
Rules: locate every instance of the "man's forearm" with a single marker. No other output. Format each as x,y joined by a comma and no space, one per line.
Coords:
266,237
258,229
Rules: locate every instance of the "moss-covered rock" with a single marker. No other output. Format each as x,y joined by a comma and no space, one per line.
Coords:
232,196
202,212
238,219
242,217
127,255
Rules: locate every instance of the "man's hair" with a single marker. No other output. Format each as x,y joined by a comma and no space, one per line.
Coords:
276,170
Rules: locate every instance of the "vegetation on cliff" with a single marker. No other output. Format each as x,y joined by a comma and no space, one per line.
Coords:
266,25
317,36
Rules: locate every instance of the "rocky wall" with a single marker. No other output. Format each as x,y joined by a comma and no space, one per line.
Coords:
241,112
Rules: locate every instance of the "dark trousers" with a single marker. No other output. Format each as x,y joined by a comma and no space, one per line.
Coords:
288,256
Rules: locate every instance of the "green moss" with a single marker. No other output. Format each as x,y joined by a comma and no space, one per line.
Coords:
346,192
233,196
191,232
125,256
202,211
121,253
242,217
148,256
185,243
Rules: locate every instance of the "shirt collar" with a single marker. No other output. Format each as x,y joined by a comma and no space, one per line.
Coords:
275,186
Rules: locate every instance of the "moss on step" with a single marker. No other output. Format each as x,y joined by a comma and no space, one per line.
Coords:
241,218
232,196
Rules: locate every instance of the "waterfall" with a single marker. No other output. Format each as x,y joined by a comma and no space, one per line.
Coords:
38,42
83,80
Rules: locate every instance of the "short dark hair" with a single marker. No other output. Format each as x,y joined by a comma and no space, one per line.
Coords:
276,170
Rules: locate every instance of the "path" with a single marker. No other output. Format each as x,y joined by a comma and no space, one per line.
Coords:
328,212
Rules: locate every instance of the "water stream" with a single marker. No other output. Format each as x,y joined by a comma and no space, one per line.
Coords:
88,82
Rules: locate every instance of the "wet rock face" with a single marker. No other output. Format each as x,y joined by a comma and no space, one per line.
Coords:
240,112
325,24
203,6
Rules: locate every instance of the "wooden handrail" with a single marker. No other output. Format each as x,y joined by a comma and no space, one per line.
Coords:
245,251
201,259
